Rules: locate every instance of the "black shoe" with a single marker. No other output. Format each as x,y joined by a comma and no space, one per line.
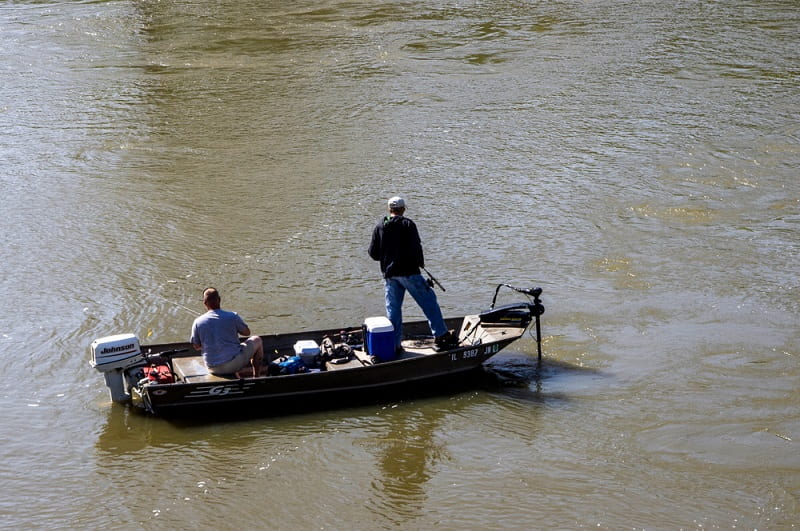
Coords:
445,341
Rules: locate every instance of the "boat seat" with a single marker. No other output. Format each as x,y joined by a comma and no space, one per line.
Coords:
193,370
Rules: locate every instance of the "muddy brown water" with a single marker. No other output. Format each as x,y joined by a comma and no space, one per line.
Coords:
637,160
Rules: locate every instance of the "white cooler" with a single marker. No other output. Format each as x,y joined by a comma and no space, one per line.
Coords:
307,349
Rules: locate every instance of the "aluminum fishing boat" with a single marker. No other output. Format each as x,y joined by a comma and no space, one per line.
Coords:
314,369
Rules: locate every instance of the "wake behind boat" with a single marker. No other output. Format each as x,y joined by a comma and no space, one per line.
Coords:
310,370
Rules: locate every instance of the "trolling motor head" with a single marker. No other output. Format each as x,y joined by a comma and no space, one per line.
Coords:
533,292
537,308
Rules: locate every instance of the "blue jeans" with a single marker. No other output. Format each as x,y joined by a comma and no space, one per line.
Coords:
395,289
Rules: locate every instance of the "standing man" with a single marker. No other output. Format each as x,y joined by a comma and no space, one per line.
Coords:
216,333
396,244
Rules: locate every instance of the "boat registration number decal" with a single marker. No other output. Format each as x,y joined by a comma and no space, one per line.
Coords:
474,352
471,353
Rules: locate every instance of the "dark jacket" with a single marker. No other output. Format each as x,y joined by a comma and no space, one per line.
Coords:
395,243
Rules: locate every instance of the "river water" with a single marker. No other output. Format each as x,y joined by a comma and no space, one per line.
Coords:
637,160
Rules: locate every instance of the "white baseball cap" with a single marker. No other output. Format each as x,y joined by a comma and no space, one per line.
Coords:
397,202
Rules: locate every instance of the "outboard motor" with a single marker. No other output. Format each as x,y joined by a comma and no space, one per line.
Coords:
112,355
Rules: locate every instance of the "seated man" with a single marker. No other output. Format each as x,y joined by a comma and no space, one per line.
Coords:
216,333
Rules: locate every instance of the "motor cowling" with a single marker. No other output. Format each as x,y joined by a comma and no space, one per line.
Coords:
111,355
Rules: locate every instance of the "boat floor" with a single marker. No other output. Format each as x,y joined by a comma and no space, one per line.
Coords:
192,369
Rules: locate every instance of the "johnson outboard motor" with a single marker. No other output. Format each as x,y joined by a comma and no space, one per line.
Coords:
112,355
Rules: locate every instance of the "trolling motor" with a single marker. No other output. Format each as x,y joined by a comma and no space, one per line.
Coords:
518,311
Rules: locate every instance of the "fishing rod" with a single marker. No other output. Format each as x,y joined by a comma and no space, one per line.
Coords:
432,280
177,305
